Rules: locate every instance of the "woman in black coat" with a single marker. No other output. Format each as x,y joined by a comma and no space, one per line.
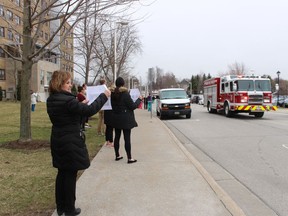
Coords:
123,117
68,148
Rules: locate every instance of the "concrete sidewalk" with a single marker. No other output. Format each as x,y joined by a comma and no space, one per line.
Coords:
166,181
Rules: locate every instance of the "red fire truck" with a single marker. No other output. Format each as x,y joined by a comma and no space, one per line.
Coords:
238,94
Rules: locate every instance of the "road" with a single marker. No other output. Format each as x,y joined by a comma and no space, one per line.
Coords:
248,157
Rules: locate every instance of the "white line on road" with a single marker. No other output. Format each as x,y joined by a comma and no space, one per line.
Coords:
285,146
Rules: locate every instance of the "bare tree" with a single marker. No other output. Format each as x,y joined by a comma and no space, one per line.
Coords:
127,44
159,82
86,34
237,69
35,15
96,39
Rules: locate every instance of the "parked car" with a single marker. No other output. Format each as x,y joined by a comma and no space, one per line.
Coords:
285,104
201,101
197,99
279,102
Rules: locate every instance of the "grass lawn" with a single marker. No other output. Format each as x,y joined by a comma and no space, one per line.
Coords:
27,177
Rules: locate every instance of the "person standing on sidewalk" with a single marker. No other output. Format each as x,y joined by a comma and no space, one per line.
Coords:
149,102
81,96
108,121
86,125
68,148
101,126
123,117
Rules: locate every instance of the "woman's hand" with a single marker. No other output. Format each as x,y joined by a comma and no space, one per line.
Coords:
107,92
85,101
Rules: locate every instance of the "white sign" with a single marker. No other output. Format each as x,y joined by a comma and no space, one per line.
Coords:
134,93
93,92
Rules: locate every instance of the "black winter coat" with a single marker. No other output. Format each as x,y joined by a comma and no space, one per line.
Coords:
123,109
68,146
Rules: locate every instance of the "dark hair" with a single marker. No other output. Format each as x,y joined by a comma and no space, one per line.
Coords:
119,82
102,81
80,88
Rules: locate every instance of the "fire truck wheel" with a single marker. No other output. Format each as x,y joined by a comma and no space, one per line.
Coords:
209,109
227,111
259,115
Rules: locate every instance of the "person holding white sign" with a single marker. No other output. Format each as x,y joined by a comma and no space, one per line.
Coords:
101,125
123,117
68,148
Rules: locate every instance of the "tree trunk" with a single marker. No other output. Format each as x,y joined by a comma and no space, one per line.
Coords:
25,111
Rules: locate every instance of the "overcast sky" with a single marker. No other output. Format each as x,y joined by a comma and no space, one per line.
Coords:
188,37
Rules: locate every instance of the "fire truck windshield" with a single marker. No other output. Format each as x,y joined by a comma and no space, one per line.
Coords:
248,85
262,85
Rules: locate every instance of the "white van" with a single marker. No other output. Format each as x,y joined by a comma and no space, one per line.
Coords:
173,102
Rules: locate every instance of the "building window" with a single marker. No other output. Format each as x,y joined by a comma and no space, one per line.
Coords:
18,3
49,76
9,15
4,93
2,53
2,31
10,35
17,19
17,38
1,10
2,74
42,77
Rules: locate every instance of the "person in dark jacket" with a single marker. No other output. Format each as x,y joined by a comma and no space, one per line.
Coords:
68,148
123,117
81,96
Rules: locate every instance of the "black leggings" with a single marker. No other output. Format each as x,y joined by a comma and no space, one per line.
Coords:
109,133
65,189
127,134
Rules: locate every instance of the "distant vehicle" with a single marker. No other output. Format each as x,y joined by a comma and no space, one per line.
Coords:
279,102
173,102
195,99
285,104
201,101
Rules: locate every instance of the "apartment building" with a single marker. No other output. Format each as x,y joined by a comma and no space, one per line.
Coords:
61,57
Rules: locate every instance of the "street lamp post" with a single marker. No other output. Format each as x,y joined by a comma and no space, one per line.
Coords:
115,48
278,74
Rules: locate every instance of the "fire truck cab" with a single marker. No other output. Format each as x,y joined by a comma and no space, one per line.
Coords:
238,94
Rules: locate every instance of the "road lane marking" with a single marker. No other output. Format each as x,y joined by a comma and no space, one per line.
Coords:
285,146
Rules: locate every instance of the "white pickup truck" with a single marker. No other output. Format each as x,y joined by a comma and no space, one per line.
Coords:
173,102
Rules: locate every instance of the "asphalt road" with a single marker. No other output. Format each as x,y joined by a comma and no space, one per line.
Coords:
247,156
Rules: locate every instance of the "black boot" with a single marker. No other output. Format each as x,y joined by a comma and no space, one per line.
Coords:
60,212
76,211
